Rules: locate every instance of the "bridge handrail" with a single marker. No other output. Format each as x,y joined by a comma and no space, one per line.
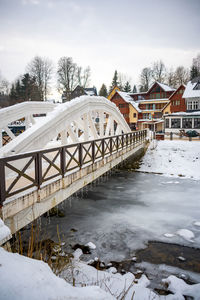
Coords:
82,154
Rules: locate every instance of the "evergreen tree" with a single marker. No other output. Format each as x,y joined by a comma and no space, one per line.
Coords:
127,87
194,72
134,89
115,81
103,91
29,88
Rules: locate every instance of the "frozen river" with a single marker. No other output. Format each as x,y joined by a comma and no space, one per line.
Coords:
126,210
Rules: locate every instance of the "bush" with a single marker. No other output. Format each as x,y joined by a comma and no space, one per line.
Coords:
192,133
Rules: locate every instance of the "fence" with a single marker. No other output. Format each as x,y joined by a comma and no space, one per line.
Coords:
24,171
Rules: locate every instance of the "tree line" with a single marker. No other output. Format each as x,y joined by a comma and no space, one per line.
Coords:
157,72
35,84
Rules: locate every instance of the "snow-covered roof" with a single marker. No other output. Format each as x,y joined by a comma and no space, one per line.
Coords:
191,90
165,87
126,97
182,113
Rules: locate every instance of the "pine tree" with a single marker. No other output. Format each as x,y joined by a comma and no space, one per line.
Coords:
103,91
115,81
194,72
127,87
30,90
134,89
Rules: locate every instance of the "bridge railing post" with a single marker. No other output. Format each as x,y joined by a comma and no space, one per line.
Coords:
80,155
111,145
122,141
38,169
103,147
2,183
62,161
117,143
93,151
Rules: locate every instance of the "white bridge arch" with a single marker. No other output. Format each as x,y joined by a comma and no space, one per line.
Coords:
71,122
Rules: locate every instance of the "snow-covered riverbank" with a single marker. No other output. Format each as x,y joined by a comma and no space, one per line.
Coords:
173,158
23,278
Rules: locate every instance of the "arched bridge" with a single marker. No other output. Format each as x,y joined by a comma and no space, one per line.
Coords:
57,155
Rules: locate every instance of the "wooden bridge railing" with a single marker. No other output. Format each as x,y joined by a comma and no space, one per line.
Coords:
30,170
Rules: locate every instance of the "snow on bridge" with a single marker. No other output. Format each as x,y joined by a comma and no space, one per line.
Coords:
84,118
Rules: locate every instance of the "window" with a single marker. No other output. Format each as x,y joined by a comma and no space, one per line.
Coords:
195,105
196,122
175,123
134,115
147,116
187,123
189,105
166,123
197,87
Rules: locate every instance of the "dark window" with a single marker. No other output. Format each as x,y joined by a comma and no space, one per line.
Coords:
196,122
187,123
134,115
166,123
175,123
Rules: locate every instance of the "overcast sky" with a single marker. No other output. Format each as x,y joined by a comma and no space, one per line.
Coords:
107,35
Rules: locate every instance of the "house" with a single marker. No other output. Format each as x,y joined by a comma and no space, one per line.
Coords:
151,104
127,106
187,114
176,102
77,92
116,88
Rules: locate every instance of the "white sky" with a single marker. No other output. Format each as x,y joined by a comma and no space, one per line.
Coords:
107,35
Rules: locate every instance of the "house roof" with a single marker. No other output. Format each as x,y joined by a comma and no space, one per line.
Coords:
126,97
164,87
91,91
192,89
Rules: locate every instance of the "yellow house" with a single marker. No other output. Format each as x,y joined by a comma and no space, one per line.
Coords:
167,108
133,115
116,88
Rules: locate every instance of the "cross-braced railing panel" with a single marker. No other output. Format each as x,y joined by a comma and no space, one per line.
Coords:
71,154
6,139
24,171
21,175
50,164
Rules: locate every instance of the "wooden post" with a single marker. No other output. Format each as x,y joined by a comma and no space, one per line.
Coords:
62,161
2,183
38,169
80,154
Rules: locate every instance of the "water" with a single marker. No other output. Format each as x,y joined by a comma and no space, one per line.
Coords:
126,210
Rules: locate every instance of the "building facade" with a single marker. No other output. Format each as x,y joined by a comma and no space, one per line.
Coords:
187,116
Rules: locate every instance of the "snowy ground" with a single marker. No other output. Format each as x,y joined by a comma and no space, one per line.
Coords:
173,158
23,278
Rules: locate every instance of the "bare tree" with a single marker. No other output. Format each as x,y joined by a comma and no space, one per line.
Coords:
145,79
68,74
123,79
159,71
83,76
41,68
4,85
181,75
170,78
